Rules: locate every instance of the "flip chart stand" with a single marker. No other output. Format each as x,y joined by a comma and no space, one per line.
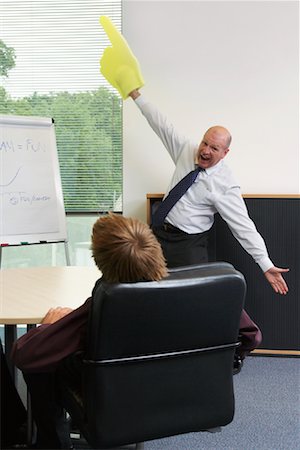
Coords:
31,199
66,248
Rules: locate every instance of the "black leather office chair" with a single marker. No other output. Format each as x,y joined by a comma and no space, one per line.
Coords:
159,357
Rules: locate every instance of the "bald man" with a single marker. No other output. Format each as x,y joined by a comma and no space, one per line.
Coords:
183,233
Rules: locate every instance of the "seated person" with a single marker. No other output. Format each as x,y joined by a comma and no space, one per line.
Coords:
125,250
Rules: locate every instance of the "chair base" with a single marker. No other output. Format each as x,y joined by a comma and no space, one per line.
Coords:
79,442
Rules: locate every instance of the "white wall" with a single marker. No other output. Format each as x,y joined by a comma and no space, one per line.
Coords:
205,63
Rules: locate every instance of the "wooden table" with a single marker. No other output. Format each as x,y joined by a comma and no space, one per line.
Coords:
26,294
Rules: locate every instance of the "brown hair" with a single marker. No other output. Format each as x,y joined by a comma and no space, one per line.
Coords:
126,250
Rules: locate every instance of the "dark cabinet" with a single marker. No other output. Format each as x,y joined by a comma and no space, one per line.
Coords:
277,218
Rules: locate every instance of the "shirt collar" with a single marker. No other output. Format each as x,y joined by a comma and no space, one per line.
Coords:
213,169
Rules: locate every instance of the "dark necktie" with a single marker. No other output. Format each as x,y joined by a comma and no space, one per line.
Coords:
174,195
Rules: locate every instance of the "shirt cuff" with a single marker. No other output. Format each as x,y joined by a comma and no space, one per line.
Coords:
265,264
140,100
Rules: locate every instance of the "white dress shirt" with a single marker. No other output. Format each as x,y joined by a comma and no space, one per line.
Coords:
214,190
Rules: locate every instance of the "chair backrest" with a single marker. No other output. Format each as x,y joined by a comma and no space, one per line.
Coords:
159,355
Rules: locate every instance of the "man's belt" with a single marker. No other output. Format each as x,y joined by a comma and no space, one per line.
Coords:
171,229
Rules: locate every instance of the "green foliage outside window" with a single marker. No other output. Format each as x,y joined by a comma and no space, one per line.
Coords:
89,141
7,59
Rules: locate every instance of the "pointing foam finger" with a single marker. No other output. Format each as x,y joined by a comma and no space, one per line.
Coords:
113,34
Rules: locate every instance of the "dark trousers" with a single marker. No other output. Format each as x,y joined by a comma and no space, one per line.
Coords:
53,429
182,249
48,413
13,412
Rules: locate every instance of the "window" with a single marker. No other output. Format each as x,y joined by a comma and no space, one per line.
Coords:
49,63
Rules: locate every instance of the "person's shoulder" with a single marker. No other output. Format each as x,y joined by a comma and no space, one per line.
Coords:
226,175
226,169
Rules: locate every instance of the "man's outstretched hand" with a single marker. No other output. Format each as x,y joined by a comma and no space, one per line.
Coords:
276,280
118,64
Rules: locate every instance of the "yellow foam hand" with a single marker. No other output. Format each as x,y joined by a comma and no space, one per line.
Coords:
118,64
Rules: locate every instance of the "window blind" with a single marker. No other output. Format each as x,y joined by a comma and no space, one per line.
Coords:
57,47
